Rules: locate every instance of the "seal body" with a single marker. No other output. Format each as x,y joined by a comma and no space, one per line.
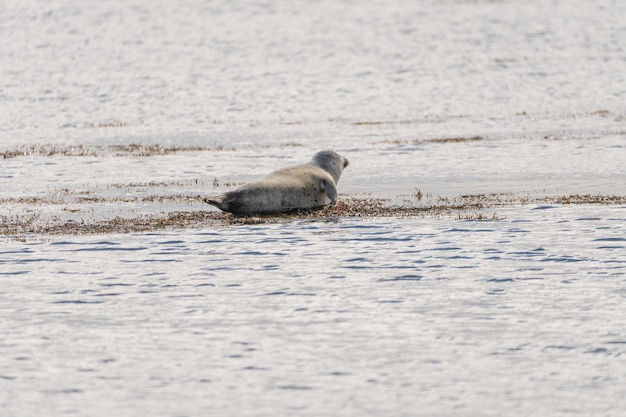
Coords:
308,186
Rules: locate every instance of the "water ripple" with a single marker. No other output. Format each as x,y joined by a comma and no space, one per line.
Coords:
418,291
402,278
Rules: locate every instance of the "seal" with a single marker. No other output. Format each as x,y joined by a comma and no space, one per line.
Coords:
308,186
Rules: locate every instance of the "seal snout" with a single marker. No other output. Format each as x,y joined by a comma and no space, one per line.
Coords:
345,162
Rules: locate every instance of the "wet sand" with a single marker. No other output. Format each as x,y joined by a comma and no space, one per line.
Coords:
470,207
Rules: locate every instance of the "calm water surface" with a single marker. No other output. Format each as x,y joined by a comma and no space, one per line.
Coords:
402,317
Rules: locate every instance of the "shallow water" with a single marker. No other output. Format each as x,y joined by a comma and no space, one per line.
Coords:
347,317
519,103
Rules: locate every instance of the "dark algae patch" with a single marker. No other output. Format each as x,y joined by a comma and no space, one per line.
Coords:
26,225
132,150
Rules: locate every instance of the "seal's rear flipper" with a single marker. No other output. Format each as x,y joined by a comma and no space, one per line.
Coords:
217,201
